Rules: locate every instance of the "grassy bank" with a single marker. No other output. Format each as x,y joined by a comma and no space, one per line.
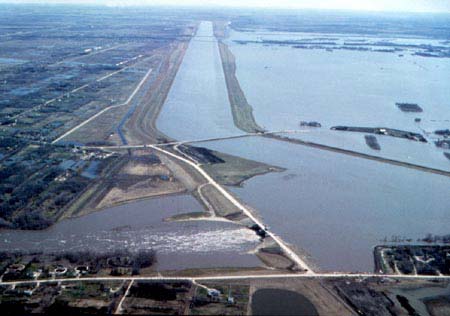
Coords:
241,109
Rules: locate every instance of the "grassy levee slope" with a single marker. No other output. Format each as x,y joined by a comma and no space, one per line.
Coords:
141,127
244,119
241,109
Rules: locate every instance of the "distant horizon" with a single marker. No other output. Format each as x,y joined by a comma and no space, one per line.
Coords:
380,6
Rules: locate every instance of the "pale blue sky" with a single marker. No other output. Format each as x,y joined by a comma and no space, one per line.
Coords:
369,5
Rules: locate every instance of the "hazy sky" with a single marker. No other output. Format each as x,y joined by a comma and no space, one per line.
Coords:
370,5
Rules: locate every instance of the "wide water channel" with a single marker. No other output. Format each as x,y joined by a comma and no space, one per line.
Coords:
338,207
286,85
140,225
197,106
335,207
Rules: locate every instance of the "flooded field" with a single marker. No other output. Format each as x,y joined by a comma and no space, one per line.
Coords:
197,106
338,207
351,86
139,225
423,154
335,207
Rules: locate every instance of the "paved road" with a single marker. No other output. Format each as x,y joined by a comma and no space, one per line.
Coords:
204,140
274,135
66,94
208,205
105,109
238,277
291,254
94,52
119,306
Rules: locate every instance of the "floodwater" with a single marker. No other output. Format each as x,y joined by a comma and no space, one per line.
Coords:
338,207
423,154
332,206
139,225
197,106
11,61
342,87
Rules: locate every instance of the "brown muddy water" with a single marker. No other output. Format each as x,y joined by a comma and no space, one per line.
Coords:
338,207
140,225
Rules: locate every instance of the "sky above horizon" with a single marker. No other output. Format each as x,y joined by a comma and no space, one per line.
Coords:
442,6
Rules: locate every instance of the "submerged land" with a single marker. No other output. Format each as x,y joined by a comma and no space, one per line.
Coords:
150,117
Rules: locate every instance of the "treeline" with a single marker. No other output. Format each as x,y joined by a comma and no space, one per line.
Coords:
28,188
429,238
137,260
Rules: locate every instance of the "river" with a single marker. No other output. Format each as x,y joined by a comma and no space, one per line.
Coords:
332,206
338,207
139,225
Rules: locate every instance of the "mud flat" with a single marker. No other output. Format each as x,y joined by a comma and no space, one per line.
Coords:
200,154
221,205
139,179
133,176
235,170
187,216
226,169
272,255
